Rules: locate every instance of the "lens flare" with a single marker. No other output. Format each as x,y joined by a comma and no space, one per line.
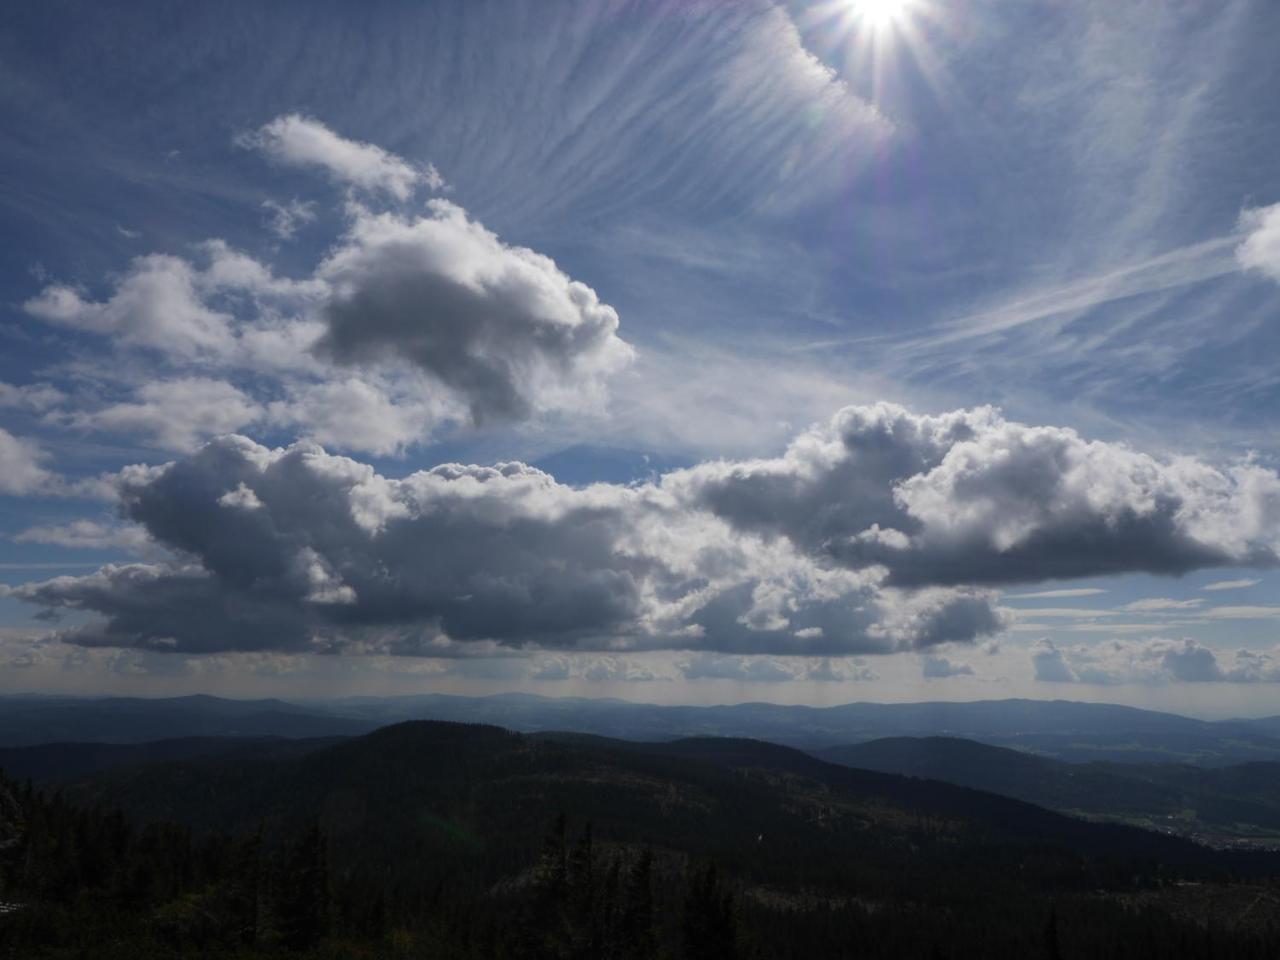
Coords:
881,13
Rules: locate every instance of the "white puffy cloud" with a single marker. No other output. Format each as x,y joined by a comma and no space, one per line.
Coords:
500,327
359,415
832,549
1260,249
296,549
969,497
409,323
191,314
1155,660
176,414
1241,584
302,142
21,472
156,304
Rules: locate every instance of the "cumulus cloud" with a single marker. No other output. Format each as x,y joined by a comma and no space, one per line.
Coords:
969,497
296,549
500,326
196,314
156,304
408,323
359,414
1050,664
1155,660
849,543
299,141
1260,250
21,472
176,414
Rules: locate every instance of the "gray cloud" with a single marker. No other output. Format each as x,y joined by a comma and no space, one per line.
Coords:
818,553
1151,661
969,497
285,219
410,322
36,397
500,326
175,414
715,666
297,549
938,667
1049,663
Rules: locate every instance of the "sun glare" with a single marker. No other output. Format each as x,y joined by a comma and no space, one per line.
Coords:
881,13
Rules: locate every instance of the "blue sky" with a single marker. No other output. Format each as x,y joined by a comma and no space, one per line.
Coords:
741,279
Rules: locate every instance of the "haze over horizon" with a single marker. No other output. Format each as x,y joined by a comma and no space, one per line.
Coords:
682,352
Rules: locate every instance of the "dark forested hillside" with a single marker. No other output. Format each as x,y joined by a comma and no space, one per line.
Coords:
1234,803
445,840
64,761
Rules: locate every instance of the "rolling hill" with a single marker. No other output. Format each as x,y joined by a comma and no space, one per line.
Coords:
1234,801
466,840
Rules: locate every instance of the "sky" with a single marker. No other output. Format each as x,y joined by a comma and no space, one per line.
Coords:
690,351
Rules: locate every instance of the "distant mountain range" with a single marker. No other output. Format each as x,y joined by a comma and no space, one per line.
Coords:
1061,729
25,721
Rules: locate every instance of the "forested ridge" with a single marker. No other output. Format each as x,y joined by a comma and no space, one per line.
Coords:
460,841
1239,798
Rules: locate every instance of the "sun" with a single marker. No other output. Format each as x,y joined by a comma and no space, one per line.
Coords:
879,14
